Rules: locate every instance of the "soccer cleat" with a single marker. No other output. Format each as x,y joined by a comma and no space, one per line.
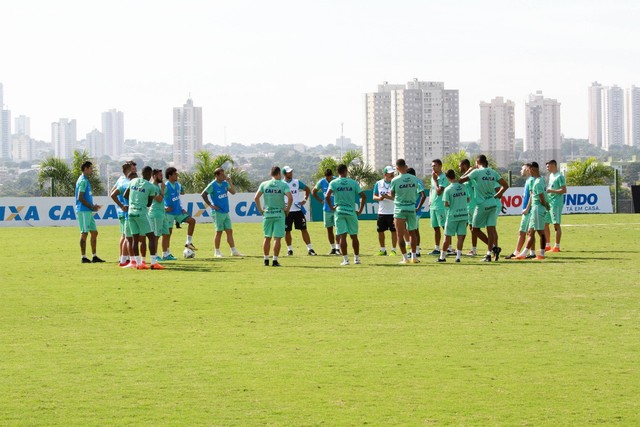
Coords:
338,251
381,253
520,257
143,266
487,258
312,252
417,254
496,252
333,252
547,248
471,253
555,249
415,260
236,253
96,259
123,264
86,260
510,256
539,257
266,263
275,263
132,264
356,261
345,262
393,252
290,252
190,246
434,252
405,261
441,260
457,259
531,256
169,258
218,255
156,266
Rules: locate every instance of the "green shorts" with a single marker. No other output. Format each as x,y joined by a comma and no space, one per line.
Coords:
472,209
554,215
485,215
329,219
139,224
221,220
273,226
122,220
524,222
159,226
410,218
437,217
346,223
455,228
536,220
171,219
86,221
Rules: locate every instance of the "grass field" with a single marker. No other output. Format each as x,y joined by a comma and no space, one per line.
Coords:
231,342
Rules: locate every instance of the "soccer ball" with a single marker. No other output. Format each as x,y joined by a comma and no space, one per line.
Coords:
188,253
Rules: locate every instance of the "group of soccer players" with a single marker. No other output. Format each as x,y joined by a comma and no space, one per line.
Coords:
148,207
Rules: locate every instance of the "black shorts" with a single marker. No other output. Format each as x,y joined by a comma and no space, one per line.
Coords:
385,222
295,218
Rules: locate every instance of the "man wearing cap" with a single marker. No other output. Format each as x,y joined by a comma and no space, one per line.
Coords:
322,187
297,212
556,187
382,194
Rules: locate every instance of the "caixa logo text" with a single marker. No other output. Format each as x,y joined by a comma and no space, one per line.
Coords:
55,213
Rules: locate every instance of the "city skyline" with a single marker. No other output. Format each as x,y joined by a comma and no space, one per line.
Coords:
303,67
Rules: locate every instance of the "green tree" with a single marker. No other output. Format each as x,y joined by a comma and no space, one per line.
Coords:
588,172
204,173
631,174
58,174
97,187
358,169
452,161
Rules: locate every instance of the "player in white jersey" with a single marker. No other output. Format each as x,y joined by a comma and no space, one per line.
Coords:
296,216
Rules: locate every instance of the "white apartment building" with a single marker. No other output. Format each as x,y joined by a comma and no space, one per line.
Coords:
632,117
543,137
187,134
5,129
418,122
63,138
612,117
595,114
95,144
113,133
22,147
22,125
497,130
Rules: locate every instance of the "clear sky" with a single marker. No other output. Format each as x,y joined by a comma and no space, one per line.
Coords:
283,71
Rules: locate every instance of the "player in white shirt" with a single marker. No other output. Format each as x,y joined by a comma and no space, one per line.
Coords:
382,194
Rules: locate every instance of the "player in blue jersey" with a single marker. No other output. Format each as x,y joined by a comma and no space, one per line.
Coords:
218,190
85,209
175,213
322,187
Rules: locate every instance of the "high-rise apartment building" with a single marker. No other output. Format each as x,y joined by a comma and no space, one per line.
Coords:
63,138
595,114
632,116
418,122
187,134
22,147
113,133
5,129
497,130
22,125
612,117
95,144
543,137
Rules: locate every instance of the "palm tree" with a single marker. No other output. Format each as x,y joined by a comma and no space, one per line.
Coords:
358,169
588,172
58,172
97,187
452,161
204,173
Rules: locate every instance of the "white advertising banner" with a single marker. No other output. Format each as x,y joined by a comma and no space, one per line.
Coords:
60,211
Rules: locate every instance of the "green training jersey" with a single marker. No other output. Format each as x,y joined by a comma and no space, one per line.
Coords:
139,192
471,194
345,194
405,188
485,181
273,192
435,199
456,196
537,189
556,182
157,208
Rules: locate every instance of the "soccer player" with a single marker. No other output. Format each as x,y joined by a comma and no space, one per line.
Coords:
140,194
122,205
344,192
84,211
175,213
464,166
219,190
539,208
274,213
456,203
556,187
436,205
526,213
404,190
382,194
157,217
422,197
485,181
322,187
296,215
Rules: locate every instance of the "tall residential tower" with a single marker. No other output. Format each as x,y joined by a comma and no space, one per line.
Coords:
497,130
187,134
113,133
543,136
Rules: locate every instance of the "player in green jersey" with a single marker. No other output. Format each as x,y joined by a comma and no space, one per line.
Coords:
556,187
341,197
539,207
525,172
274,213
436,205
157,216
405,190
464,166
456,203
85,209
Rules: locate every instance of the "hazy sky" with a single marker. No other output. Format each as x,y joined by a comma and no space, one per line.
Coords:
291,71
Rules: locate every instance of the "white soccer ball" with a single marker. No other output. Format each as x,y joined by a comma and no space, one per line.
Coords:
188,253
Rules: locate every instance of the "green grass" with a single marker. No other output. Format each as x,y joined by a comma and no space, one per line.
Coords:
231,342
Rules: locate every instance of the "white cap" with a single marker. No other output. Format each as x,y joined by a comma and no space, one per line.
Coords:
287,169
389,169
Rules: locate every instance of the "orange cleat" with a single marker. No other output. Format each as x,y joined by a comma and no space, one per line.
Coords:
156,266
539,257
519,257
143,266
555,250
